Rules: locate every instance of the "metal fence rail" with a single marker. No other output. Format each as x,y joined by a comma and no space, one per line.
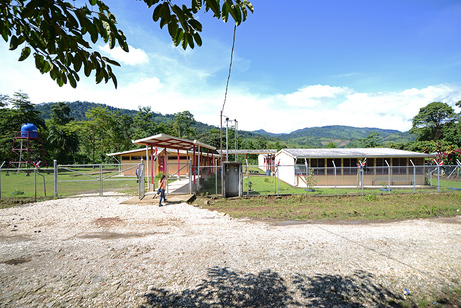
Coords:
94,175
29,186
100,179
293,179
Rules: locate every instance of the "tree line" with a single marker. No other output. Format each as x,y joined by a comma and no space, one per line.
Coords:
88,140
438,130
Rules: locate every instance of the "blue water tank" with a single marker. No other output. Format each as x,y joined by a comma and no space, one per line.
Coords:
29,130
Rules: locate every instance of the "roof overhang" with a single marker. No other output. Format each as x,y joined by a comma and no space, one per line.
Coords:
170,142
352,153
241,152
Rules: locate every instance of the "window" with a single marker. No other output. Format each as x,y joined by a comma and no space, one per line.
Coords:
399,165
300,167
125,157
349,166
176,157
419,164
381,166
331,166
369,166
318,164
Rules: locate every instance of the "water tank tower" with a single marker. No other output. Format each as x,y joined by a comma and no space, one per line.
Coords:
27,148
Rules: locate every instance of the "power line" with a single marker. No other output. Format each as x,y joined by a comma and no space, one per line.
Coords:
230,68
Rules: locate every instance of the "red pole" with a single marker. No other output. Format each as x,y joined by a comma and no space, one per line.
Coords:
165,161
193,164
152,166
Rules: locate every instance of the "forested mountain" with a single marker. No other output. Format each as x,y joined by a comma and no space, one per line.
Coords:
340,135
310,136
79,109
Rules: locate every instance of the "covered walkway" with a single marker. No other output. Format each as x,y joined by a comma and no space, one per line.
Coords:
202,155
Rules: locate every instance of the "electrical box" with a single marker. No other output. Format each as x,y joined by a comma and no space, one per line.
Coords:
233,179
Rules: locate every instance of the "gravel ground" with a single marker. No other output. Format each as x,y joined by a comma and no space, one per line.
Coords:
99,252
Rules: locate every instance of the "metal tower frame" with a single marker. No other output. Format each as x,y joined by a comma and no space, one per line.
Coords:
30,143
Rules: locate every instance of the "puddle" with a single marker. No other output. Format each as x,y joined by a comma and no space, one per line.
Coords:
114,235
14,238
108,221
288,223
16,261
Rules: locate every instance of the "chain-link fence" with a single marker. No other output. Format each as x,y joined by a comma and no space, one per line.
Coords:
111,179
68,180
29,183
97,179
293,179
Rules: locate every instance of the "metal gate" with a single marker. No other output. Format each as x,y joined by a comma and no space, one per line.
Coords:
93,176
140,179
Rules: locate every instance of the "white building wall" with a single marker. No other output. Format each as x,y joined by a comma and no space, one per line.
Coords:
286,167
261,163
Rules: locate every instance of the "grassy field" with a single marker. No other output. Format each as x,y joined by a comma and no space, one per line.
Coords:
341,208
265,185
80,181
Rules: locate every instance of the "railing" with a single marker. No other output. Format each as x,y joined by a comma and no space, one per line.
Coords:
104,179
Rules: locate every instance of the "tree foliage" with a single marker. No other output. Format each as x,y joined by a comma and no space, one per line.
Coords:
60,34
373,140
183,124
429,123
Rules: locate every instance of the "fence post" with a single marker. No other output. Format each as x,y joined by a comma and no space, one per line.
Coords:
55,167
333,161
100,180
307,176
414,176
438,177
190,178
388,176
35,184
216,178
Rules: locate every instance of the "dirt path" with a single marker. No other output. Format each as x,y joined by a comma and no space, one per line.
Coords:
98,252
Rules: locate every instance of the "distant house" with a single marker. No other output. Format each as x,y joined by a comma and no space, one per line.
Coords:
382,164
265,157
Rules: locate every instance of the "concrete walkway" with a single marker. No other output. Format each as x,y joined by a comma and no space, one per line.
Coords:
177,192
180,186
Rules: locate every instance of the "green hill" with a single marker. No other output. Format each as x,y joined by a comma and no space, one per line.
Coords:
314,137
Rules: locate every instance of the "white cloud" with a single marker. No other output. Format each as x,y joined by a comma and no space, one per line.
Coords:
173,85
314,95
133,57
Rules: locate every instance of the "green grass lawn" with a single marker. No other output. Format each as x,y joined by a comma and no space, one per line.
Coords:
290,203
341,208
265,185
83,181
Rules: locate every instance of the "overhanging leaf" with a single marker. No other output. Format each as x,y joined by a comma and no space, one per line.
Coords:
24,53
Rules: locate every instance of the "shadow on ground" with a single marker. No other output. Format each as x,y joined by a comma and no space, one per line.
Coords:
227,288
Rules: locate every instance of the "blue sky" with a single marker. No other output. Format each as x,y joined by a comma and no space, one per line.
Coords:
297,64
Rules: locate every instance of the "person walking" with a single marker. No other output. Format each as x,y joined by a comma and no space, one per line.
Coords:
161,188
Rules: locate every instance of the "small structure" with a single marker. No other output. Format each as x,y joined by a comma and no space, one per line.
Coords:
405,167
27,148
233,179
176,163
202,153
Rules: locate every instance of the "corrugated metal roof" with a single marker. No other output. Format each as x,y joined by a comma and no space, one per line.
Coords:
352,153
143,151
170,142
265,151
